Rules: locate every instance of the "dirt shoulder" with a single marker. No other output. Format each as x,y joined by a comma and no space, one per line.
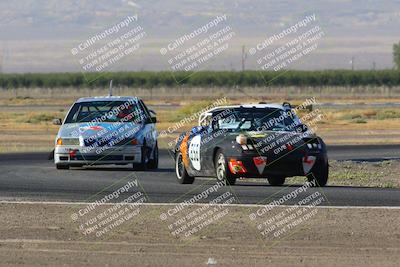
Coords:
45,235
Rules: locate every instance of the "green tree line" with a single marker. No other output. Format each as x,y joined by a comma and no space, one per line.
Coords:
204,78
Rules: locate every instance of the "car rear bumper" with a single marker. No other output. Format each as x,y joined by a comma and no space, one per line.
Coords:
291,164
76,155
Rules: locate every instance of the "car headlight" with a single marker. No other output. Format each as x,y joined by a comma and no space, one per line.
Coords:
68,141
313,143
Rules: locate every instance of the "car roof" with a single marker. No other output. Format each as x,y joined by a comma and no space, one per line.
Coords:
107,98
258,105
271,105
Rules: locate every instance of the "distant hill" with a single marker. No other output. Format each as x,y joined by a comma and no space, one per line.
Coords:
364,28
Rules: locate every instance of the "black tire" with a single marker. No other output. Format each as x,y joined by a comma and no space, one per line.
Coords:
142,166
51,155
319,173
222,170
181,174
62,167
153,163
77,166
276,180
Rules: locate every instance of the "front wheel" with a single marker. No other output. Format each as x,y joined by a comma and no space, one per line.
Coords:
153,163
62,167
319,174
276,181
181,174
142,166
221,169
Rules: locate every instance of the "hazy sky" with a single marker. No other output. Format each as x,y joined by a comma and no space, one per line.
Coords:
38,35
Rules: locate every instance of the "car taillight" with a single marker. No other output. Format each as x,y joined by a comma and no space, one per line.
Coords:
59,142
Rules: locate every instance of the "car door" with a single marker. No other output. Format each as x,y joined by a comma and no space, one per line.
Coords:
207,146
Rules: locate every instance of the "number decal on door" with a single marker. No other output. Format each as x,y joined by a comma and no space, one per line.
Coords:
194,152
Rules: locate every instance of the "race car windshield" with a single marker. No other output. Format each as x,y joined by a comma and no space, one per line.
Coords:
105,111
258,120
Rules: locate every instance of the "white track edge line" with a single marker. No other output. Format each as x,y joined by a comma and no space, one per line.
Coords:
194,204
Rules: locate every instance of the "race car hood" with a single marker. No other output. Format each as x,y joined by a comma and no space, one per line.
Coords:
277,135
264,138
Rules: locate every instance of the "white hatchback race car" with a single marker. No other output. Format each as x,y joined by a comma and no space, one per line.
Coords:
107,130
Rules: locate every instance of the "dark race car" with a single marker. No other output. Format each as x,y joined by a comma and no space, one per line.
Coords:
251,141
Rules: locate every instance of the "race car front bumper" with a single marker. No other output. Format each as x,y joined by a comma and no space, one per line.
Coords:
77,155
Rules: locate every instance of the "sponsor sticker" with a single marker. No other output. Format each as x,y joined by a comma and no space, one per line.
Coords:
260,163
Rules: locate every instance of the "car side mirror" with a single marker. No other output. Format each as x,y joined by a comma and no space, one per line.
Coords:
198,129
152,119
57,121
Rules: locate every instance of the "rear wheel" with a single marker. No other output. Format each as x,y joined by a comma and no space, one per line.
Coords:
276,181
221,169
62,167
181,174
319,174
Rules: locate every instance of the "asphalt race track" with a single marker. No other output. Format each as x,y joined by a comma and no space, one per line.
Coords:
32,177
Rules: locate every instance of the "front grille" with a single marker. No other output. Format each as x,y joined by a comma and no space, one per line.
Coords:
96,142
102,143
70,141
